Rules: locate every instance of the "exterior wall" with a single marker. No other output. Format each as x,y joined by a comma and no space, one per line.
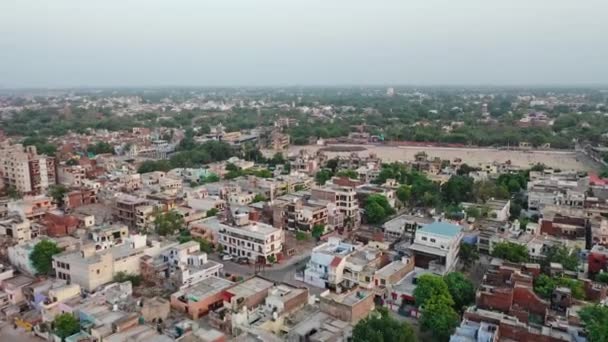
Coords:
199,308
19,256
348,313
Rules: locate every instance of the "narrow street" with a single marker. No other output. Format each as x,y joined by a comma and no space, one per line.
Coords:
283,273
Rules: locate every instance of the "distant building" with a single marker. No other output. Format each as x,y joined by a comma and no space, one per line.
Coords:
25,170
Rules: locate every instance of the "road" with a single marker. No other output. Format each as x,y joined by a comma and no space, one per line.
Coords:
282,273
8,334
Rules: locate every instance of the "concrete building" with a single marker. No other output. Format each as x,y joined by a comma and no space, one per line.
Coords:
125,209
404,227
346,202
198,300
25,170
349,307
181,266
436,246
253,240
15,228
91,269
105,237
325,268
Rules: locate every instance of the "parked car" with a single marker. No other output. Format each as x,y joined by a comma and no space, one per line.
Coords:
226,257
243,260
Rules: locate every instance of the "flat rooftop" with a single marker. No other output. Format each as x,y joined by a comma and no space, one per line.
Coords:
442,229
206,287
350,298
250,287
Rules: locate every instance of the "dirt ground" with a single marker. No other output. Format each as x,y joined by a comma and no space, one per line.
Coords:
565,160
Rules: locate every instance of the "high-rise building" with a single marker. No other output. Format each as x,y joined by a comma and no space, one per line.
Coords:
27,171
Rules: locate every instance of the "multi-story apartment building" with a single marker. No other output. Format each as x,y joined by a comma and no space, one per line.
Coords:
25,170
295,213
71,175
345,199
105,237
327,262
252,240
436,246
180,266
125,209
16,228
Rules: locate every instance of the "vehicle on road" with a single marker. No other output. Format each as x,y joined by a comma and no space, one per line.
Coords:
226,257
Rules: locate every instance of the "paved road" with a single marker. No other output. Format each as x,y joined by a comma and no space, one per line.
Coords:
284,273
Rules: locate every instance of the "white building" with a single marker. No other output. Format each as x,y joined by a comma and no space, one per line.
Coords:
253,240
436,246
188,265
325,268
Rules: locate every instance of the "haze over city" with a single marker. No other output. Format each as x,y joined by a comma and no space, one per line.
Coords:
68,43
303,170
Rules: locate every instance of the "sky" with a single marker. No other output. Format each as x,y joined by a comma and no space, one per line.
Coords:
129,43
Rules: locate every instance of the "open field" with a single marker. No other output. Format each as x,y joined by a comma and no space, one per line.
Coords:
564,160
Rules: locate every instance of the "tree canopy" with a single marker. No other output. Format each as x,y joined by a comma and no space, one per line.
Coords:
42,256
377,208
461,289
65,325
595,318
168,223
439,318
511,252
381,327
429,286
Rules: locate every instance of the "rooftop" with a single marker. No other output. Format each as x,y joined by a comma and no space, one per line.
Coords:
441,228
206,287
250,287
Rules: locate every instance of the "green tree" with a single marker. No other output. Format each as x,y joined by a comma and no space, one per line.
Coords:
57,192
511,251
259,198
210,178
439,318
65,325
468,254
544,286
212,212
374,213
271,259
317,231
429,286
322,176
458,189
100,147
461,289
349,173
404,193
377,208
381,327
168,223
42,256
473,212
562,255
206,245
595,318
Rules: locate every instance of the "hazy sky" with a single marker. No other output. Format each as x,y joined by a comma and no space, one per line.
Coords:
57,43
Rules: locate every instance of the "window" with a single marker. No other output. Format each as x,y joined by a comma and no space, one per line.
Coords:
433,240
423,238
